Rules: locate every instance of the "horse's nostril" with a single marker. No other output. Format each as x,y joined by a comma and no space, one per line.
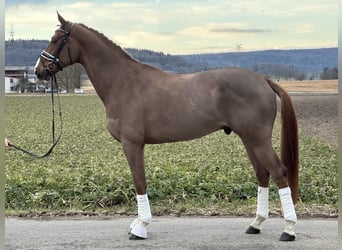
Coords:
36,72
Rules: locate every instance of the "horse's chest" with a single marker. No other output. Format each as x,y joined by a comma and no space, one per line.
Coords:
114,128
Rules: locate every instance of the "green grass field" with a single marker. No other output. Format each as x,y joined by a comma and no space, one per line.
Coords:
88,172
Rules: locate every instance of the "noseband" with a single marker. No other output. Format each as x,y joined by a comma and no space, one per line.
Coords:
54,59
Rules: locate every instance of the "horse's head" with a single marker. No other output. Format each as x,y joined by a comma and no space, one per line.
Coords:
60,52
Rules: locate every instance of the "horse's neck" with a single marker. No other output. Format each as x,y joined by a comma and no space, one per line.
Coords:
106,65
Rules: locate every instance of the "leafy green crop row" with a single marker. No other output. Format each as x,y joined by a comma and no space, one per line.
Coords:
88,170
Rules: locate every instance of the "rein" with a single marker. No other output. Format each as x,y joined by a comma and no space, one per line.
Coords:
53,127
54,60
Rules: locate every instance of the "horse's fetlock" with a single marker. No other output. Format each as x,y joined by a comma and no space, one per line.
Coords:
289,227
146,220
255,226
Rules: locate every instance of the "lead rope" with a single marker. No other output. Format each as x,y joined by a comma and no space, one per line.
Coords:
54,141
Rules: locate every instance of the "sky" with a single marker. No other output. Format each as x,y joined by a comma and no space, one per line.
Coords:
188,26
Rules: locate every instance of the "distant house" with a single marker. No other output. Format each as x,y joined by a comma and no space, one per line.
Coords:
18,80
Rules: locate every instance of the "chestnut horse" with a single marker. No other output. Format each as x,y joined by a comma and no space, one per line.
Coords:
145,105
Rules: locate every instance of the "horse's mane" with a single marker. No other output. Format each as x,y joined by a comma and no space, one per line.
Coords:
109,42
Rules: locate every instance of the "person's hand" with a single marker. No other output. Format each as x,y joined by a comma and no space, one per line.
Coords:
7,142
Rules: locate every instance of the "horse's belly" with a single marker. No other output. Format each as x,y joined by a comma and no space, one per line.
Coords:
179,131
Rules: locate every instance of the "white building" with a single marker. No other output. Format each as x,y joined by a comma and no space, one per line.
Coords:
13,76
10,84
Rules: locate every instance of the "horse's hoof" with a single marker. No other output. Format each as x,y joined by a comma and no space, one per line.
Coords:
134,237
287,237
252,230
138,232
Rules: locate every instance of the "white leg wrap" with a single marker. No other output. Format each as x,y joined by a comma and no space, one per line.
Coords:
262,208
144,211
287,204
138,226
262,205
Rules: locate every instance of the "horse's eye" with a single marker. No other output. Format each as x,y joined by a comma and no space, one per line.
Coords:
54,39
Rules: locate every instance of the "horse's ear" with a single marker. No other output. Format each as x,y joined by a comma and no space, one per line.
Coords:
61,19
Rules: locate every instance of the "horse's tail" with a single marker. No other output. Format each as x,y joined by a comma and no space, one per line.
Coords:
289,138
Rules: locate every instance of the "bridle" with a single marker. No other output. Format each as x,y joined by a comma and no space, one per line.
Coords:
54,61
54,58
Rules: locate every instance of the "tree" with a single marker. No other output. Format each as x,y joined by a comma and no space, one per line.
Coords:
279,70
300,76
329,73
70,77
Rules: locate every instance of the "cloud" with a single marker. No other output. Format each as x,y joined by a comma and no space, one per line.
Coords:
143,39
222,29
79,5
239,30
165,25
303,28
21,2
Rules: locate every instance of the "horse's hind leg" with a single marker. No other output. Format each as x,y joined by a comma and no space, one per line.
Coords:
265,160
263,177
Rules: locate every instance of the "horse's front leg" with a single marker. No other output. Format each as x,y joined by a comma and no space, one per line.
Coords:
135,157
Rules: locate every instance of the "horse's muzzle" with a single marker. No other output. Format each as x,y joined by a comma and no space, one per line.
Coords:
43,74
40,71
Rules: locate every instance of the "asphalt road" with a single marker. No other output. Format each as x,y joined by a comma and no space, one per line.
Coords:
166,233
